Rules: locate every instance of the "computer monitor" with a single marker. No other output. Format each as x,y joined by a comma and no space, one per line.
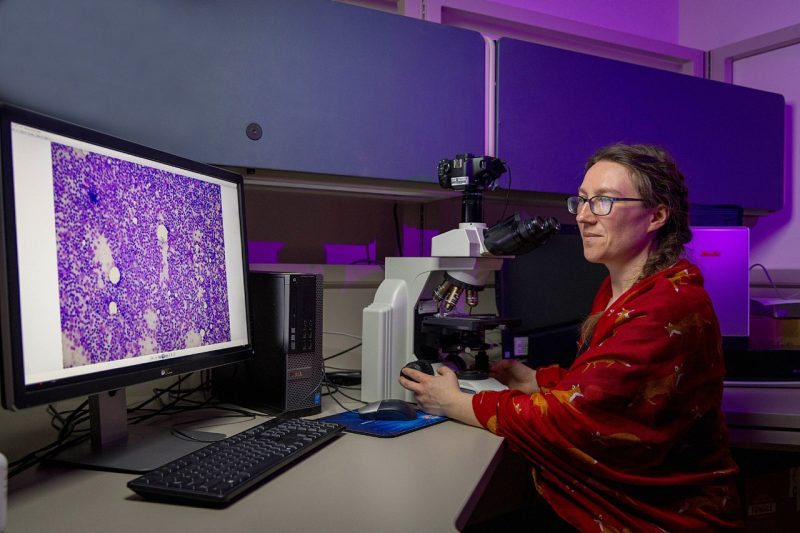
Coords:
119,264
550,290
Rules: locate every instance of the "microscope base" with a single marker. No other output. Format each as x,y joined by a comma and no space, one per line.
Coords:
472,386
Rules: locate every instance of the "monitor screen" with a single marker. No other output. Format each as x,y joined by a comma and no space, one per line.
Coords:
120,264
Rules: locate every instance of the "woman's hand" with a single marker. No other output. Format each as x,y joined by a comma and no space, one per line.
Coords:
439,395
515,375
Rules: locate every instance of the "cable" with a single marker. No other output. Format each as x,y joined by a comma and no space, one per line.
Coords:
335,399
77,416
67,427
508,192
343,371
337,391
342,333
397,230
342,352
45,452
349,387
340,369
160,393
772,283
165,408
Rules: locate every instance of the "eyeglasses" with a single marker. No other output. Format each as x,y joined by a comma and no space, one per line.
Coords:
599,205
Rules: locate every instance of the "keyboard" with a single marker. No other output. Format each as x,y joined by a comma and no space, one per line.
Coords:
220,472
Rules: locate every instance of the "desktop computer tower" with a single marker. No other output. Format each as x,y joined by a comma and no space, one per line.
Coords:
286,374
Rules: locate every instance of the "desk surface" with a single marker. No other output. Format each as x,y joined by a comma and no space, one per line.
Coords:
420,481
416,482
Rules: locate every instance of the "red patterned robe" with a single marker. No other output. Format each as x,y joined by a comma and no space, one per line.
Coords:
631,437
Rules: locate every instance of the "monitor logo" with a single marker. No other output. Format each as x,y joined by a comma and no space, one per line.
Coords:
166,372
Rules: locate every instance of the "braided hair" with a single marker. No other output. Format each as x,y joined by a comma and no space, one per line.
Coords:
659,182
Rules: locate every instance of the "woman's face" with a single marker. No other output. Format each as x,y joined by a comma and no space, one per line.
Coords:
622,238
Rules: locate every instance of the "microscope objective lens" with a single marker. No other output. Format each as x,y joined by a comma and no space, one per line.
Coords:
441,291
471,298
452,297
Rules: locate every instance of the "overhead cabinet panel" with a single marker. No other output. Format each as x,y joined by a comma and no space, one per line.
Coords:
556,107
328,87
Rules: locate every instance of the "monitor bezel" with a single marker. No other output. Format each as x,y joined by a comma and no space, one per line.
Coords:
15,393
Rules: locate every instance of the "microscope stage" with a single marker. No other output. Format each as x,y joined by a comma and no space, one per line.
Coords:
469,322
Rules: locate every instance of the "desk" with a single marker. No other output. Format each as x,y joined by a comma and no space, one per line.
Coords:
422,481
763,416
416,482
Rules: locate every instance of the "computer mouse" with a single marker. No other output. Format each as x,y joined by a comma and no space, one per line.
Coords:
422,366
388,410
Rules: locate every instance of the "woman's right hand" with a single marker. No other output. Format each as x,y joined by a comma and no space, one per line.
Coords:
515,375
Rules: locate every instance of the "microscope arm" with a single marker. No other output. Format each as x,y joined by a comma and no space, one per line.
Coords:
383,341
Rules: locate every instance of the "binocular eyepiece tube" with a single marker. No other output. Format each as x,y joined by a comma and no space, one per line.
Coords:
515,236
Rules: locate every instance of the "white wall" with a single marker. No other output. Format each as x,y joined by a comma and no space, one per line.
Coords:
654,19
775,238
709,24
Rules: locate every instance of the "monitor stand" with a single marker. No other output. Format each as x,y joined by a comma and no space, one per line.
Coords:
118,447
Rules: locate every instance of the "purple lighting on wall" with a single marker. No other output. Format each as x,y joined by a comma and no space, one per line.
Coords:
417,242
264,251
350,254
654,19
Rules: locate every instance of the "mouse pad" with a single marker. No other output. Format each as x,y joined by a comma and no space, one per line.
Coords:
382,428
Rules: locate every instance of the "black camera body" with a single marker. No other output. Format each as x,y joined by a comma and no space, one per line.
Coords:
470,173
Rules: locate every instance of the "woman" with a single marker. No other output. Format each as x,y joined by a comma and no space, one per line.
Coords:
631,436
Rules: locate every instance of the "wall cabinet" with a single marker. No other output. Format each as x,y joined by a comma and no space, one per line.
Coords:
333,88
556,107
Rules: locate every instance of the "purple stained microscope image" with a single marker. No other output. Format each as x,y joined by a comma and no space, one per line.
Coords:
141,259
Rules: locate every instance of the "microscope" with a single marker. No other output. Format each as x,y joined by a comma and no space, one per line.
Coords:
416,313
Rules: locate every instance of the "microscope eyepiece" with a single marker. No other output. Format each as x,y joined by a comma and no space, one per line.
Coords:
515,236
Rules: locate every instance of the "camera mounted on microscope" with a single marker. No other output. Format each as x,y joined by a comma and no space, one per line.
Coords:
468,172
471,175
